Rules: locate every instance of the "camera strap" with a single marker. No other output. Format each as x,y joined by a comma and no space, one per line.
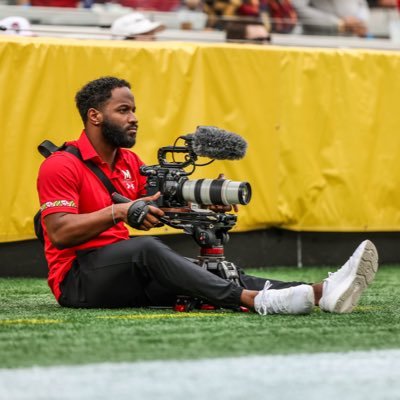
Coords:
47,148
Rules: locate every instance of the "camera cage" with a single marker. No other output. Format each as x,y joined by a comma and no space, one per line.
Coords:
191,156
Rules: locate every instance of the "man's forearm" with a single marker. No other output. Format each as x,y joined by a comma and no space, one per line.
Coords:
68,230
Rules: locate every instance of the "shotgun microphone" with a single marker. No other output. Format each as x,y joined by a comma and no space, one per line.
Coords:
216,143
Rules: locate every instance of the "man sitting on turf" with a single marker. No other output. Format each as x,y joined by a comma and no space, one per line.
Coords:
93,262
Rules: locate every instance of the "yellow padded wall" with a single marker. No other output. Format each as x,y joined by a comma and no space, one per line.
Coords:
322,125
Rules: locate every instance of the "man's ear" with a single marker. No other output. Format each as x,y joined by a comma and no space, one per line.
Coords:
95,117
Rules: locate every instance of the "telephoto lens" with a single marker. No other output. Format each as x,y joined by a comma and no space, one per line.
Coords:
216,191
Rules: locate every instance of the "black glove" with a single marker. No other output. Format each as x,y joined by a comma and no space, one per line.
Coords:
137,213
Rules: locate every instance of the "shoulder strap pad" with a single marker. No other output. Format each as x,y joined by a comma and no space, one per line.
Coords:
47,148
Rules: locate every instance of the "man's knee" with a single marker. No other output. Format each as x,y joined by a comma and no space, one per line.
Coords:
149,244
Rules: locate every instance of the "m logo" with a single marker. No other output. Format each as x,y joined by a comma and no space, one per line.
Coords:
127,174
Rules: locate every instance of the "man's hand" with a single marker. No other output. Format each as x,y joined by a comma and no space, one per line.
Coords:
223,208
146,215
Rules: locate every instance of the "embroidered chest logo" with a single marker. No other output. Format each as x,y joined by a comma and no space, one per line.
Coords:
127,177
127,174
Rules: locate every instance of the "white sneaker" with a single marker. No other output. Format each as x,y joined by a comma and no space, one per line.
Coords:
342,289
292,300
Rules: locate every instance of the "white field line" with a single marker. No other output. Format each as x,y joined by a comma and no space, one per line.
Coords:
328,376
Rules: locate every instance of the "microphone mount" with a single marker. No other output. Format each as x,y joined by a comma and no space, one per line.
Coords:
190,156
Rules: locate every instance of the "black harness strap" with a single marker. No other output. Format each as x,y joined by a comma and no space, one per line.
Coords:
46,148
94,168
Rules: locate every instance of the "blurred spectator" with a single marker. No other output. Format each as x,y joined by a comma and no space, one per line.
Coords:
347,17
151,5
382,3
283,16
188,13
191,5
249,8
251,26
216,10
276,15
16,26
247,32
135,26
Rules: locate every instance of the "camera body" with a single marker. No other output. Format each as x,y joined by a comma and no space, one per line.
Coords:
169,182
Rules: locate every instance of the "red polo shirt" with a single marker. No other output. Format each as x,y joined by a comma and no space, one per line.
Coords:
65,184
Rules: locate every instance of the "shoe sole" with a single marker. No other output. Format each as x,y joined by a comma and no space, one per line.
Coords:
365,274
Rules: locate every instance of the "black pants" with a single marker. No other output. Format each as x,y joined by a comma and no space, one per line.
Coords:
142,272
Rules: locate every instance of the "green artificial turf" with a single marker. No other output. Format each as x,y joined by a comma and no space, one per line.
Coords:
34,330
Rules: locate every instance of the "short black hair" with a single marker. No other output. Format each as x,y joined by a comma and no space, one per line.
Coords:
95,93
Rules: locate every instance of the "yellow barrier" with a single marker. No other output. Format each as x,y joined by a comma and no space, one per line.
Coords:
322,125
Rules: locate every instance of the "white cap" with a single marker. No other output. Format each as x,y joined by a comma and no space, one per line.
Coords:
133,24
16,26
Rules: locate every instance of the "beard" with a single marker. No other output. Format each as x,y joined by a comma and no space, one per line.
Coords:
116,136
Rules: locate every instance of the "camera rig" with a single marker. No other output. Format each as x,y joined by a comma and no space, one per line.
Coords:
208,228
178,195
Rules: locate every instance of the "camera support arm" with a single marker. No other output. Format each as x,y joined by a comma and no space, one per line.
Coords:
208,228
